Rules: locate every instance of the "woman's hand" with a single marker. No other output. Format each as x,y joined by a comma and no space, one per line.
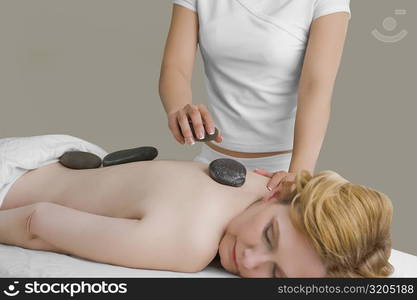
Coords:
275,183
197,116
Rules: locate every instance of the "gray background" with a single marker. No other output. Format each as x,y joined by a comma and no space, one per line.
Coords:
90,68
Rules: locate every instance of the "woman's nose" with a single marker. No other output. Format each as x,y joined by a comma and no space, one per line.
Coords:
253,258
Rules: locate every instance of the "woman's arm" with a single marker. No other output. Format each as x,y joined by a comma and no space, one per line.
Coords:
124,242
178,59
320,67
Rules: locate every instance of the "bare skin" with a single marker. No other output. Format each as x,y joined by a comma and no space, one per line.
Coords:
161,214
179,193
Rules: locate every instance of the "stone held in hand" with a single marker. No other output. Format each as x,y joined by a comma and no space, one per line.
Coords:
228,172
80,160
130,155
207,136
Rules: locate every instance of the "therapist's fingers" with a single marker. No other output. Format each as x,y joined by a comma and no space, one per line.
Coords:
276,180
175,128
185,127
219,137
286,186
196,121
209,123
263,172
207,119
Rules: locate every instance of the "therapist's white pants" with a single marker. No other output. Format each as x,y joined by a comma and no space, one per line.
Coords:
274,163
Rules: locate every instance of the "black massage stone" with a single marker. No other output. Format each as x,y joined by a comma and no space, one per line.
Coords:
227,171
207,136
80,160
130,155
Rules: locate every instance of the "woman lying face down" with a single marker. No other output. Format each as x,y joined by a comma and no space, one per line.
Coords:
170,215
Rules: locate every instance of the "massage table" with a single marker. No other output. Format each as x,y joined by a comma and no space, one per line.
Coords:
21,262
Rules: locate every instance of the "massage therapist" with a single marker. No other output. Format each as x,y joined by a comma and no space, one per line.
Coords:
270,69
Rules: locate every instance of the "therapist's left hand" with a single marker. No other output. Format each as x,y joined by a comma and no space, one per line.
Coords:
274,184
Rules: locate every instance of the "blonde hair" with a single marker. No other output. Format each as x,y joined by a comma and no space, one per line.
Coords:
348,224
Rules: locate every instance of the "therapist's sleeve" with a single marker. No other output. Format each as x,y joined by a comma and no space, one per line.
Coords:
190,4
325,7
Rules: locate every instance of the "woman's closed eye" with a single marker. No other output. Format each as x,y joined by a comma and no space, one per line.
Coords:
268,234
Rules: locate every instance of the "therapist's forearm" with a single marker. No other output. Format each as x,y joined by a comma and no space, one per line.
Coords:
174,89
312,118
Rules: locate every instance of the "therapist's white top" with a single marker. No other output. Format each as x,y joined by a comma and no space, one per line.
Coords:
253,52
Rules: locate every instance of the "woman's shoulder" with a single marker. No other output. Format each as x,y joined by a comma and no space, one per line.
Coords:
187,241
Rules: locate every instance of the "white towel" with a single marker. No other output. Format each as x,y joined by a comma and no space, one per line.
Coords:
21,154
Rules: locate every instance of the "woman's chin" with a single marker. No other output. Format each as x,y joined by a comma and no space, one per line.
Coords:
221,254
223,257
224,265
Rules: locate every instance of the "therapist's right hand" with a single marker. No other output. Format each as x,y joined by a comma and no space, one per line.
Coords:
196,115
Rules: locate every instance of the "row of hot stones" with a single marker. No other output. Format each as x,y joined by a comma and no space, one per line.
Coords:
223,170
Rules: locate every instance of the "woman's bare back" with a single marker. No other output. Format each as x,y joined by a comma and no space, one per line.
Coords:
131,190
